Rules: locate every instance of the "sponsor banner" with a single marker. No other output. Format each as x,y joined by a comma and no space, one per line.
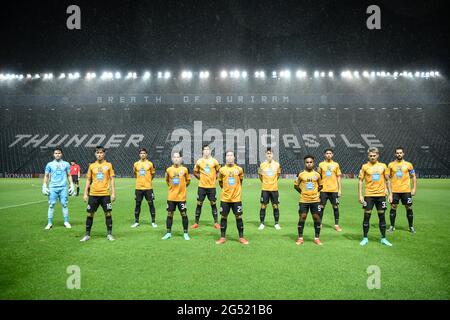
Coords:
20,175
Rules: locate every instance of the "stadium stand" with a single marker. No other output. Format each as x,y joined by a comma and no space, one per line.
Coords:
422,130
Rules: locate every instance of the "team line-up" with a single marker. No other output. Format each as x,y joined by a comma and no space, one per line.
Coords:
316,188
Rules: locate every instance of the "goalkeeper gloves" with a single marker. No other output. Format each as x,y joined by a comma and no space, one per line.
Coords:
45,190
71,190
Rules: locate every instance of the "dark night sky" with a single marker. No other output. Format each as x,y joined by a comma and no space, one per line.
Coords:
215,34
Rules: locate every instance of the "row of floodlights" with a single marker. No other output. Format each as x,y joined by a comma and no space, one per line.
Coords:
405,74
225,74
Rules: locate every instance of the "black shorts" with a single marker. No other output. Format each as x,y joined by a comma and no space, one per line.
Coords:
75,178
203,192
147,194
314,207
95,201
267,196
173,205
332,196
405,197
378,202
226,206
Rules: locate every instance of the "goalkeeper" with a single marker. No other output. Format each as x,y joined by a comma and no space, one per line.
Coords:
57,173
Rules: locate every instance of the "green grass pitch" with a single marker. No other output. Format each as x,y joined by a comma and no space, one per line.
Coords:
139,265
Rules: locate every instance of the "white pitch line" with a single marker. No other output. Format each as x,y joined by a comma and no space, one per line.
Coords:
22,204
34,202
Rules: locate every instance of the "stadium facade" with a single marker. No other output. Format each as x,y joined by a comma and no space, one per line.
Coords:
293,117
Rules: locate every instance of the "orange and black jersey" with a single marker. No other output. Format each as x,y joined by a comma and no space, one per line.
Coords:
207,169
231,179
100,173
269,172
329,172
309,182
177,178
144,172
374,177
400,173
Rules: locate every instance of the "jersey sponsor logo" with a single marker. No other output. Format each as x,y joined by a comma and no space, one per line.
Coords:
100,175
269,172
142,172
231,181
309,185
175,181
375,177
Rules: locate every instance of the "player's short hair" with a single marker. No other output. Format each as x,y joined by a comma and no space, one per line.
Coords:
373,149
72,161
399,148
57,149
308,157
328,149
100,148
143,150
179,153
269,149
205,146
228,151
